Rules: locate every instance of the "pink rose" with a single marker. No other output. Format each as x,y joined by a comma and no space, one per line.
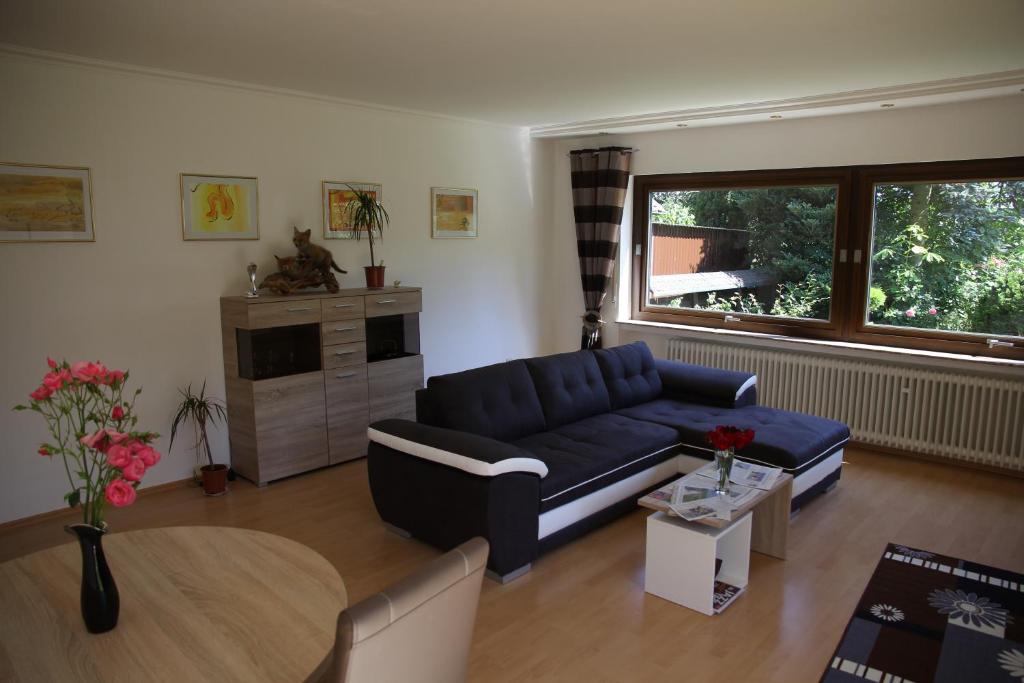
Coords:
88,372
113,377
120,493
118,456
933,311
135,446
44,450
117,413
51,362
134,470
148,455
910,313
42,393
53,380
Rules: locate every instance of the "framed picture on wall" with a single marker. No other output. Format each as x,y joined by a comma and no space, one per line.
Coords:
453,212
336,196
45,203
218,207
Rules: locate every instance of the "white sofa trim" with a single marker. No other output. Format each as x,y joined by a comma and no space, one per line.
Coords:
461,462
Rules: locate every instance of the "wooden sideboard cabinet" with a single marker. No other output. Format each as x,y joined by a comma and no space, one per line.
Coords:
306,374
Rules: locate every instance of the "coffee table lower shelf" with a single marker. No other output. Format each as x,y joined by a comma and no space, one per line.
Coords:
681,559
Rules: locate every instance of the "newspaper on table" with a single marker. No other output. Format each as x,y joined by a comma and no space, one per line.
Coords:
745,474
694,497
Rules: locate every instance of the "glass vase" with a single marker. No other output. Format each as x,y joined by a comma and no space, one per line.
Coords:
723,468
101,603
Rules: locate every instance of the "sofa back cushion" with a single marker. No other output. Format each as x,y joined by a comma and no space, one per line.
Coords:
496,401
570,387
630,374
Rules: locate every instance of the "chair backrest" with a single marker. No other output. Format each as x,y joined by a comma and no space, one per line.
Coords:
419,629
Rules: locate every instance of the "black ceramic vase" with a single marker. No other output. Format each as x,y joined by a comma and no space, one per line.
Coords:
100,601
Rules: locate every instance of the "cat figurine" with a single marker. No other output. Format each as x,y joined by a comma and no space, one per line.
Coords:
316,256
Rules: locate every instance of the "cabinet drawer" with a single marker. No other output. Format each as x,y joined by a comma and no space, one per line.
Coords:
284,313
347,413
342,308
343,331
291,436
393,304
393,384
344,355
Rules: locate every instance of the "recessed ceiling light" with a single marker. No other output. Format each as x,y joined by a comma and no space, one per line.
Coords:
887,106
775,116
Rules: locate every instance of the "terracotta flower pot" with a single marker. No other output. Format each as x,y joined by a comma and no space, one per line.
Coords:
215,479
374,276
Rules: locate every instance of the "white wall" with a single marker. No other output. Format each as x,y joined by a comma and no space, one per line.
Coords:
141,298
971,130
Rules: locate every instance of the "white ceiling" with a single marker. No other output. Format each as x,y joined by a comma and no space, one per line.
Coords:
538,62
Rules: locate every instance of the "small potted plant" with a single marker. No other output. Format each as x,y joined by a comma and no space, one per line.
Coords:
367,214
201,410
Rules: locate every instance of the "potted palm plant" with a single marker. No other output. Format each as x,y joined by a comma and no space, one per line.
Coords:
367,214
201,410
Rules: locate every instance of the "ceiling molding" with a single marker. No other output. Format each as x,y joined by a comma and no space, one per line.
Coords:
49,57
929,92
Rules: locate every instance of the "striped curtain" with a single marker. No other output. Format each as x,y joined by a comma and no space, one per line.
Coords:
599,179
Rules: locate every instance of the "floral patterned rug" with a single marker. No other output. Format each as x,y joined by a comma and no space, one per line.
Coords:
926,617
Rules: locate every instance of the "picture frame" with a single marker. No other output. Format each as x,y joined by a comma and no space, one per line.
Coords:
453,212
335,196
45,203
219,207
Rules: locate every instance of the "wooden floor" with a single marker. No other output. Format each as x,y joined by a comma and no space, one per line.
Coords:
582,614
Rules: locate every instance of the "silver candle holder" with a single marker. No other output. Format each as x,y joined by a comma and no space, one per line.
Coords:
251,270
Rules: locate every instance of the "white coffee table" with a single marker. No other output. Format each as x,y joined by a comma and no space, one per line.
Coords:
680,563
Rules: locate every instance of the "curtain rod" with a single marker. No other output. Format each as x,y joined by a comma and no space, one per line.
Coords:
597,151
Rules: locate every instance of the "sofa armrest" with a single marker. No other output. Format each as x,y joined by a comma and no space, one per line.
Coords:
470,453
724,388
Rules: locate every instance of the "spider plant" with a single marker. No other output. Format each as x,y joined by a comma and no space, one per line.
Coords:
200,410
366,213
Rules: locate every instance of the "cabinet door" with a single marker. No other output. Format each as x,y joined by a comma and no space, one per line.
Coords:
291,436
347,413
392,386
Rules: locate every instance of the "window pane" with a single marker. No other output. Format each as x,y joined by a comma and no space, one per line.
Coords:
949,256
751,250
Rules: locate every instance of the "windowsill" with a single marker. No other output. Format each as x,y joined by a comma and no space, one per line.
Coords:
1005,368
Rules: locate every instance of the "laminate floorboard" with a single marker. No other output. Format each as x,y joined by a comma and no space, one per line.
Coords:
581,614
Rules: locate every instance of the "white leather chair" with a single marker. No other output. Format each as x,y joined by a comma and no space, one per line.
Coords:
420,629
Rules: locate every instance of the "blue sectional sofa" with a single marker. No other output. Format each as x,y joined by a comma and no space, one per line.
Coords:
532,453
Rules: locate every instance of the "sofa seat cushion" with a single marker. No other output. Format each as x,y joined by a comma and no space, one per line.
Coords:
570,387
792,441
630,373
592,453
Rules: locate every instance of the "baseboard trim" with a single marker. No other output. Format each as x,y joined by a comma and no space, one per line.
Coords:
74,512
938,459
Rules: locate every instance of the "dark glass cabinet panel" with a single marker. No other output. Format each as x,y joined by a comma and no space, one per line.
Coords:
278,351
392,336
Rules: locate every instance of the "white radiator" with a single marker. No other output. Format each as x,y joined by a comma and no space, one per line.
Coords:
947,414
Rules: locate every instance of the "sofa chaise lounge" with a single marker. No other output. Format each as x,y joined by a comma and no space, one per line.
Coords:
533,453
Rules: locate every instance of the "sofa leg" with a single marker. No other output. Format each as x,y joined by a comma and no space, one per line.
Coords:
511,576
397,531
832,486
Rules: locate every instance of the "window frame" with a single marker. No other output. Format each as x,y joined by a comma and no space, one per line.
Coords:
850,274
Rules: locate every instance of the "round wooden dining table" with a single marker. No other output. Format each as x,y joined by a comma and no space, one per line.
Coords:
197,604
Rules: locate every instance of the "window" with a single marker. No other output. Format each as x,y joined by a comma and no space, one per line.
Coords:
919,255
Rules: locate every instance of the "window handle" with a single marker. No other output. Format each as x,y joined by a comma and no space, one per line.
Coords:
299,310
993,343
731,319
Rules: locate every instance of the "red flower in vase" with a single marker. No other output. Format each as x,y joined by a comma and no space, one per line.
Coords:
724,437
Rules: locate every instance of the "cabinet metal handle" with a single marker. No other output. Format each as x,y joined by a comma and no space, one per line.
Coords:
345,375
299,310
344,305
344,329
343,353
386,301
